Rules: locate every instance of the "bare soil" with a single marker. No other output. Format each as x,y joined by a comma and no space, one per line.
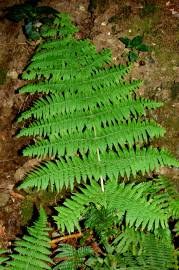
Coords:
103,22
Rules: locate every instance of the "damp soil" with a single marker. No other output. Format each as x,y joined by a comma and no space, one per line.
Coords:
104,22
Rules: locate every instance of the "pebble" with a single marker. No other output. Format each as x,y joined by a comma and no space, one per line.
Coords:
82,8
12,74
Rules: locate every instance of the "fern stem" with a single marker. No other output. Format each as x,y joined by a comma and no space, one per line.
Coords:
99,159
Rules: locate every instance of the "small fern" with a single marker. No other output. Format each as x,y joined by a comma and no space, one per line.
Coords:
34,249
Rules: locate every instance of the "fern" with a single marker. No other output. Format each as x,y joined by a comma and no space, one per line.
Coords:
64,173
72,258
94,131
66,27
157,254
127,200
34,249
3,259
91,108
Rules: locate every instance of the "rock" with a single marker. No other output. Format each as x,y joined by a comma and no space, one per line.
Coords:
4,198
12,74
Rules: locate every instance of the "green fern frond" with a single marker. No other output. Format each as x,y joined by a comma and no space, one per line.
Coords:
72,258
69,123
125,163
64,70
56,105
63,43
176,229
129,240
90,62
109,137
3,259
102,221
128,200
164,193
74,48
102,78
157,253
62,26
34,249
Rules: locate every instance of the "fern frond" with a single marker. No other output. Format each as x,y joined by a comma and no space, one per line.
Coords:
69,123
129,240
126,162
63,43
102,221
74,48
164,193
128,200
3,259
109,137
64,70
102,78
34,249
62,26
157,253
176,228
56,105
84,61
72,258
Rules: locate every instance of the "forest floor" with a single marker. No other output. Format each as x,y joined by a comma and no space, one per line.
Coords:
104,23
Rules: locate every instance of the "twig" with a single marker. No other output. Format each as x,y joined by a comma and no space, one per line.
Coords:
66,237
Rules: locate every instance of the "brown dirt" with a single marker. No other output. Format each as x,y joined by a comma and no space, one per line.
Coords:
108,21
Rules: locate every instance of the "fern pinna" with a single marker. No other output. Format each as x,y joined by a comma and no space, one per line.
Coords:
92,126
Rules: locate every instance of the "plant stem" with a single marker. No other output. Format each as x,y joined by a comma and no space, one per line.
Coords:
99,159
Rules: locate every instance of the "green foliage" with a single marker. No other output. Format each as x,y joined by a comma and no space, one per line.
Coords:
3,258
137,204
93,130
90,108
157,253
149,8
135,46
3,73
32,252
71,258
125,246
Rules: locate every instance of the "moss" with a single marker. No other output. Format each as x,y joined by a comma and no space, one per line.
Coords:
38,198
48,197
27,210
175,91
2,76
149,8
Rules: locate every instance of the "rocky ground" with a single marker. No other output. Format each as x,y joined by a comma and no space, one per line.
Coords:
104,22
